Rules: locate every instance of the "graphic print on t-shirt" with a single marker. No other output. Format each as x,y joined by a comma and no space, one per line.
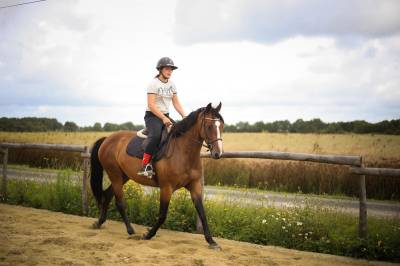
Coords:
163,91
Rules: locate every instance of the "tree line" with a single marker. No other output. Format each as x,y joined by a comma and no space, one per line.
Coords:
38,124
41,124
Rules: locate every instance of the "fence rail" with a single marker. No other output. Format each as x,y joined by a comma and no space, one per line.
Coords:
356,164
318,158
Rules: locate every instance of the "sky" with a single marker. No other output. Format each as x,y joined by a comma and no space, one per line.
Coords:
90,61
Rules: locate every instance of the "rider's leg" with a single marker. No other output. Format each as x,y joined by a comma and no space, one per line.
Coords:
154,126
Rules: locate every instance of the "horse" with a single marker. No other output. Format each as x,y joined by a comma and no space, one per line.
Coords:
179,167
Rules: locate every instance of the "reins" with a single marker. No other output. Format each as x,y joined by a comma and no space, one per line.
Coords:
208,145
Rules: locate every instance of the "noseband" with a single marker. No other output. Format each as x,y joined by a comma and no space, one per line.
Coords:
209,143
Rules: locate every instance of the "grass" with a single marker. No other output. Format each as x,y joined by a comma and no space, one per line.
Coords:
308,228
218,186
308,195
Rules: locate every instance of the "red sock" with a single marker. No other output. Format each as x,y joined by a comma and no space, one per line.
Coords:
146,159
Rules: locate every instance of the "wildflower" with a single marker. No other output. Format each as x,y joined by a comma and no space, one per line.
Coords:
264,221
283,219
299,223
283,227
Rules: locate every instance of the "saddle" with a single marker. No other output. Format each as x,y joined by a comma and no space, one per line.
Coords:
137,144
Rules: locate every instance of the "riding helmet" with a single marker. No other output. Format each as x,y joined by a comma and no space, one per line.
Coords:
165,61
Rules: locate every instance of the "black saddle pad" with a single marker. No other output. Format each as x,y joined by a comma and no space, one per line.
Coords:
137,144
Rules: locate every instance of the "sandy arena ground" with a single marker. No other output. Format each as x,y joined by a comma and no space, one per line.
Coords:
39,237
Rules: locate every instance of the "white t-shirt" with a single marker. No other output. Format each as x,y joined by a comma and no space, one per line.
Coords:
164,93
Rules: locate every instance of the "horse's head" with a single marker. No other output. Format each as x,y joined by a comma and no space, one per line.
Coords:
211,128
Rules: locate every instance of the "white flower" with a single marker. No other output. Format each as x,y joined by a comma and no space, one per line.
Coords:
283,227
299,223
264,221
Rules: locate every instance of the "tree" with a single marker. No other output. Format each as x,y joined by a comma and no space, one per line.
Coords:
97,127
70,126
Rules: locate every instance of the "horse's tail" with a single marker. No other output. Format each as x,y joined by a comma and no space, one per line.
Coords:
96,171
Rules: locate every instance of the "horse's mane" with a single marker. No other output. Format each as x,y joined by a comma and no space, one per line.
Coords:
179,128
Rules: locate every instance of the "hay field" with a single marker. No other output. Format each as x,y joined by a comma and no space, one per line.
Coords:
375,148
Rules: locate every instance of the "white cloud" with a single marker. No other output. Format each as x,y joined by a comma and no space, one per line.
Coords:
271,21
88,61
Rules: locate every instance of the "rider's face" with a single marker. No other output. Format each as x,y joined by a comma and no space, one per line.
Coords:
166,72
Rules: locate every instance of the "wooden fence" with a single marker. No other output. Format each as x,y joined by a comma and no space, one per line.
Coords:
355,163
83,150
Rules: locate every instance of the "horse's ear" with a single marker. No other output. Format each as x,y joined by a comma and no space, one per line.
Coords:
208,107
218,108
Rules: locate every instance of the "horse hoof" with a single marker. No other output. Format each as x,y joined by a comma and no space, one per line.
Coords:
130,231
214,246
145,237
96,225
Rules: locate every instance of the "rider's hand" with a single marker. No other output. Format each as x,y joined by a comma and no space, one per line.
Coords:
167,122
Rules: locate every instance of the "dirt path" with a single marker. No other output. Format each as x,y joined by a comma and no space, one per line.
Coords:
39,237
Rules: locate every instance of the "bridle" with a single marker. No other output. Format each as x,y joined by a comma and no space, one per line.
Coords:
209,143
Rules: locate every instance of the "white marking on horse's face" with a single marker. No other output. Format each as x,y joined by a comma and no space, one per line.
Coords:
219,142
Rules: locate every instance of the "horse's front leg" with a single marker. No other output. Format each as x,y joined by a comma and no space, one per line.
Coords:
195,189
165,197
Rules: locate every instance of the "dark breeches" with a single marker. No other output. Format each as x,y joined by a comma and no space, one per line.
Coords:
154,126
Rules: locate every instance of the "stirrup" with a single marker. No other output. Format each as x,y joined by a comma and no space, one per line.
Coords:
148,171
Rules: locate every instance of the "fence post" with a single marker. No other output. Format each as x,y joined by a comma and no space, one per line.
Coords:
4,181
362,224
85,155
199,226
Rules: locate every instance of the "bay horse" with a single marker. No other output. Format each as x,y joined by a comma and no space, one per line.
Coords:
180,167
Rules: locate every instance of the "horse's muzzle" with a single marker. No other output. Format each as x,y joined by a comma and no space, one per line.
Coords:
216,155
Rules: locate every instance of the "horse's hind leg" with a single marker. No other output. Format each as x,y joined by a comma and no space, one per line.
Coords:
107,197
117,186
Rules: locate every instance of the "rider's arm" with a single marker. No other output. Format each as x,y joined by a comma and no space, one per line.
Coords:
177,105
151,102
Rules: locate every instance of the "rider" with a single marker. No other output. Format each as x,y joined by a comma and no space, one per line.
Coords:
160,92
